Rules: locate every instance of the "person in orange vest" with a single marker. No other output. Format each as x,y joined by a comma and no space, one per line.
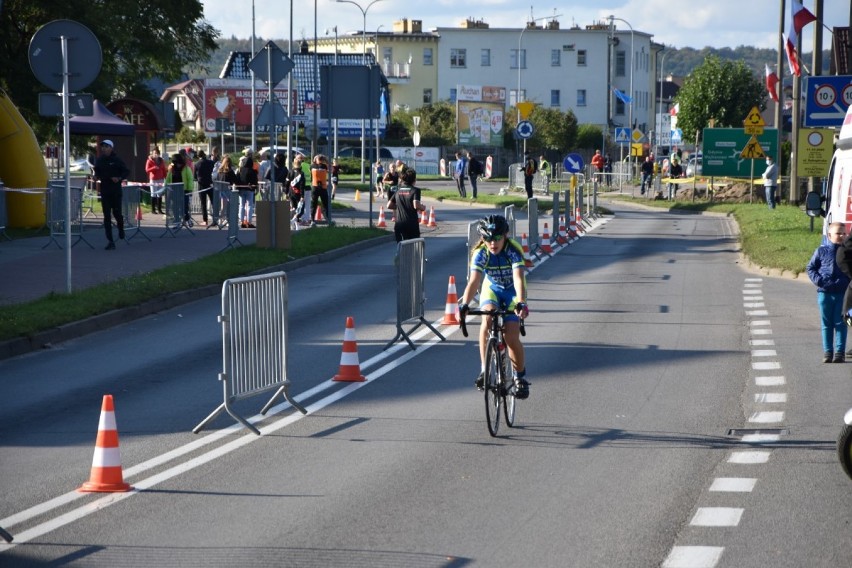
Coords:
598,163
319,185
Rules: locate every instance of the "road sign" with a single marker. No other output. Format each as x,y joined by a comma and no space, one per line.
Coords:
573,163
622,136
84,55
271,65
677,136
223,125
722,150
416,138
638,136
826,99
816,146
525,108
525,129
50,104
272,114
754,123
637,149
752,150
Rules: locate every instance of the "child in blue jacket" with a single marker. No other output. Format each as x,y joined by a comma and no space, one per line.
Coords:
831,283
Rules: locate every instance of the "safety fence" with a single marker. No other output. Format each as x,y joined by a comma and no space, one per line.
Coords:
254,343
540,181
411,290
4,216
57,208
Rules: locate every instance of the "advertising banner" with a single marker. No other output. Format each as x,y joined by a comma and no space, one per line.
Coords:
480,123
231,99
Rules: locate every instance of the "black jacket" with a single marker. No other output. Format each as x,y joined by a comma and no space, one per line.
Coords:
108,167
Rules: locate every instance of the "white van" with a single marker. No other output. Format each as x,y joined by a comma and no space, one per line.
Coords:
838,196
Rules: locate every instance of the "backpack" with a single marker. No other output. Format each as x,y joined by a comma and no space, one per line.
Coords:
530,168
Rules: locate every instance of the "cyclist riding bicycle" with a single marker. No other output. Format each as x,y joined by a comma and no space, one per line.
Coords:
497,263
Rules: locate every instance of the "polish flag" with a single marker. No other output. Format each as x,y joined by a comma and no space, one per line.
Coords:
799,18
675,109
772,83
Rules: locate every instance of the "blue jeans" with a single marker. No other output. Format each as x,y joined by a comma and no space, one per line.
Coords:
833,326
770,196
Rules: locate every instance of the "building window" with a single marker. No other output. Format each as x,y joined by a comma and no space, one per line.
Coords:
581,97
554,97
427,96
581,57
485,58
458,57
555,58
513,59
620,63
453,94
619,106
513,96
427,56
387,54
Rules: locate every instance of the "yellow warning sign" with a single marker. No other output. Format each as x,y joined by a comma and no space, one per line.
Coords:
754,123
753,150
525,108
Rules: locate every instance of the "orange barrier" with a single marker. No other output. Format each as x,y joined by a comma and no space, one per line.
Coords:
106,475
451,310
545,241
350,367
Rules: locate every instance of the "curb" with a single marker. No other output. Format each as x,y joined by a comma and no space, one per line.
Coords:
47,338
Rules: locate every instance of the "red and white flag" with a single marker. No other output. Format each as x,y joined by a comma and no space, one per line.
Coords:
799,18
675,109
772,83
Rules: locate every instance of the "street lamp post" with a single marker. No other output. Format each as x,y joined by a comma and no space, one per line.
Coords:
364,53
632,66
660,127
520,66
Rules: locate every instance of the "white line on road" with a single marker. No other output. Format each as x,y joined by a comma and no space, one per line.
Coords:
764,353
770,397
693,557
734,484
717,517
760,438
749,457
761,342
767,381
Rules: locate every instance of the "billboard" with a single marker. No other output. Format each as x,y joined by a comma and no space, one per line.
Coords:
231,99
722,149
480,123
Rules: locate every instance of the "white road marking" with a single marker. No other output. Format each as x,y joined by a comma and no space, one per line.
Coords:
770,397
733,484
757,313
751,292
760,438
693,557
769,381
761,331
761,342
759,323
754,305
767,417
717,517
764,353
765,365
751,285
749,457
753,279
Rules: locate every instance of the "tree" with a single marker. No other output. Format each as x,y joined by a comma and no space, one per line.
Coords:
438,124
722,91
157,39
554,129
589,136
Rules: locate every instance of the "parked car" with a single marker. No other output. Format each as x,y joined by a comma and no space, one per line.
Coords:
355,152
694,165
80,165
283,150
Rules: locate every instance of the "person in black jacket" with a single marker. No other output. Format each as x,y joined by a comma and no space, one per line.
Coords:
296,182
204,181
110,171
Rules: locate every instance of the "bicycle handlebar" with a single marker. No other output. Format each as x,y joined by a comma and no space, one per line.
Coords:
481,312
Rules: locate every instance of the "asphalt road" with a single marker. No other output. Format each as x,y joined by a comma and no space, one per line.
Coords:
641,350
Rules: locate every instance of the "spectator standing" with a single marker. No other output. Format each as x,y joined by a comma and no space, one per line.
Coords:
296,181
225,172
831,282
247,182
155,167
319,186
598,163
391,179
335,177
647,173
279,168
179,172
204,178
530,168
675,171
770,182
474,170
264,165
460,172
380,176
110,170
608,170
406,202
544,168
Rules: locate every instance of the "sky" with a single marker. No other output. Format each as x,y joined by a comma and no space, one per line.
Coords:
678,23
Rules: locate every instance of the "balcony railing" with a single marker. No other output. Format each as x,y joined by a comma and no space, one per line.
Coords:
396,70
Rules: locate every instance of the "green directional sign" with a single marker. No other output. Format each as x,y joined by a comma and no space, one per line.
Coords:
722,150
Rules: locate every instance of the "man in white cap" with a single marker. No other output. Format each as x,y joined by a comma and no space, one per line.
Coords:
110,171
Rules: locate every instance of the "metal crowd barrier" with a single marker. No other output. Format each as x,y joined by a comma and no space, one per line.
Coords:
541,182
411,289
175,210
533,240
131,209
233,208
254,343
91,196
4,216
509,214
554,222
56,210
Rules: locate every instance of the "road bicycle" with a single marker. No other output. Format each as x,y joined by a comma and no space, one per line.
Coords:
499,384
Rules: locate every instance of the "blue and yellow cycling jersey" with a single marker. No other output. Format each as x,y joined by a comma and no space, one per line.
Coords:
498,287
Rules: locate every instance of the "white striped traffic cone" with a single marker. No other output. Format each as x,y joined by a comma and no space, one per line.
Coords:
451,310
381,224
526,248
545,240
106,475
350,367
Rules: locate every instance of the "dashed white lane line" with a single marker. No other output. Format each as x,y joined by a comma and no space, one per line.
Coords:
770,381
693,557
761,331
749,305
717,517
757,313
749,457
767,417
752,285
733,484
761,342
770,397
761,438
751,292
764,353
759,323
766,365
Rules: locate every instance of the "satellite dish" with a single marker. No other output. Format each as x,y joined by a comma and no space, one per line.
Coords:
84,55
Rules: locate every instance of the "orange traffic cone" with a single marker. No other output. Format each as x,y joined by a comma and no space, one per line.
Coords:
572,227
350,367
525,246
545,240
106,475
560,236
424,220
381,224
432,222
579,216
138,212
451,311
357,195
318,216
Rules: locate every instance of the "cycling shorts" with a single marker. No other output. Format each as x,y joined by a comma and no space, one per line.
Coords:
500,298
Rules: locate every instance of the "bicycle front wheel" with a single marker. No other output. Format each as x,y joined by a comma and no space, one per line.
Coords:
508,390
844,449
492,387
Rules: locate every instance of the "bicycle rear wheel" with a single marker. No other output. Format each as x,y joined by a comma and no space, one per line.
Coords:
492,387
508,389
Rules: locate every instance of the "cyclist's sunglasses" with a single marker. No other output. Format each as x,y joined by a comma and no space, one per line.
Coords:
493,238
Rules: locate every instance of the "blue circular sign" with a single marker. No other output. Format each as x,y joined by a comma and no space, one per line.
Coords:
573,163
525,129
